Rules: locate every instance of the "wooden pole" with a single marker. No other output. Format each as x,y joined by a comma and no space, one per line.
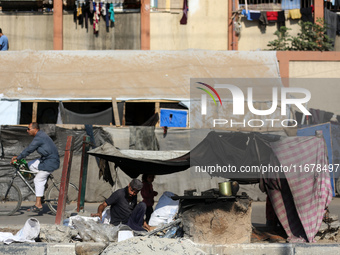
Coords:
65,179
115,112
34,112
158,110
83,173
145,24
57,25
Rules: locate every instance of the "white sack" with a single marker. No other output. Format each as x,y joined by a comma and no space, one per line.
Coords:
165,210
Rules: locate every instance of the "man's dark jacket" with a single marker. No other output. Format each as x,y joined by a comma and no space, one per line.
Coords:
44,145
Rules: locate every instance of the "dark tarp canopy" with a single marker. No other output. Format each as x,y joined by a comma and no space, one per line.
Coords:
233,149
133,167
218,148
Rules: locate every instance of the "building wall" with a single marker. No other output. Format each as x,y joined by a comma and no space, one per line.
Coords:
252,38
34,31
321,78
207,27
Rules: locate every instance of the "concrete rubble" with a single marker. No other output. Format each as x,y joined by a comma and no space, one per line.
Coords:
219,222
329,230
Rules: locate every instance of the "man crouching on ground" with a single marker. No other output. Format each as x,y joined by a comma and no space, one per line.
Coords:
124,208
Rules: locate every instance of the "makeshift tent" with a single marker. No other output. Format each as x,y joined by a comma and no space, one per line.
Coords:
299,196
331,134
133,167
218,148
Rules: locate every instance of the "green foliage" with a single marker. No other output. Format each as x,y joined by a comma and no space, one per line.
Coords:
312,37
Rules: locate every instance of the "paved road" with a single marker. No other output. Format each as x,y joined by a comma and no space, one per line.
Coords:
19,219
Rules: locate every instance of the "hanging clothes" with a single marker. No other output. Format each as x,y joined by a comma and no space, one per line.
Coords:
272,16
184,19
246,14
290,4
75,12
331,19
86,14
281,19
107,17
333,1
306,14
263,21
112,13
255,15
294,14
80,15
96,18
91,6
103,10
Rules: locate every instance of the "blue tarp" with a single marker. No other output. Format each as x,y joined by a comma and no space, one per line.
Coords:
173,118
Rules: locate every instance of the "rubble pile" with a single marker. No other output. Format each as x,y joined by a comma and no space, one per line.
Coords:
153,245
329,230
219,223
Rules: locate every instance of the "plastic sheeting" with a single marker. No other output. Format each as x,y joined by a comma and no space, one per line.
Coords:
100,118
28,233
235,149
173,118
143,138
9,112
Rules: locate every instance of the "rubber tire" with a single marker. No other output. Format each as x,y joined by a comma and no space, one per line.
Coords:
16,190
53,190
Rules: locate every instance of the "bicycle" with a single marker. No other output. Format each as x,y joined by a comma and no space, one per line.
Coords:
11,197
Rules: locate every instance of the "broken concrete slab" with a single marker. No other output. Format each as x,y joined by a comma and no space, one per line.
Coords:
56,233
90,248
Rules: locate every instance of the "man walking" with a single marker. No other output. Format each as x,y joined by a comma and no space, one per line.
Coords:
3,41
44,166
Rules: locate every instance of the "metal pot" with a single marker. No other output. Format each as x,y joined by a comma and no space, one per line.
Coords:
225,188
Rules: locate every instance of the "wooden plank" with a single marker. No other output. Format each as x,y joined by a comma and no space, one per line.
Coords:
83,173
115,112
123,119
34,111
65,179
157,110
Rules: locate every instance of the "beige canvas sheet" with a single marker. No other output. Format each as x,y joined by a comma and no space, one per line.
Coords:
124,74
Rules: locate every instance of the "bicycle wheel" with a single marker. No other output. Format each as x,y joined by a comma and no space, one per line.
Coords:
52,195
12,202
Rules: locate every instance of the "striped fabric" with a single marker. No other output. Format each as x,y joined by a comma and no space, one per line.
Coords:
299,199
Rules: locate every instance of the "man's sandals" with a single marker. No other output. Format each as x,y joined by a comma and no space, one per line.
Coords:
35,209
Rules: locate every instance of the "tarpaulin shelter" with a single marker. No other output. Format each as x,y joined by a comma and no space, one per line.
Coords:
218,148
133,167
331,134
299,196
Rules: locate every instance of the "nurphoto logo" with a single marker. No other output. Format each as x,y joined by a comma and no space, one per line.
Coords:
246,109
